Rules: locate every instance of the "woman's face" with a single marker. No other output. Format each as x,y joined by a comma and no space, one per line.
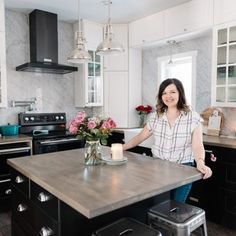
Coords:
170,96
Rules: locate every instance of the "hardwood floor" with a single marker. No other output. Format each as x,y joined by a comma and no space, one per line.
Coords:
212,228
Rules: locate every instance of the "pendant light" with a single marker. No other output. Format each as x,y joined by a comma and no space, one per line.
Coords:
171,44
79,55
109,45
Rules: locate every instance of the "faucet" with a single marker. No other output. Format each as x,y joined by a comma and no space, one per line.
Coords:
28,104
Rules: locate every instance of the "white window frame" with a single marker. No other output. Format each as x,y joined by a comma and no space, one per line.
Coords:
193,55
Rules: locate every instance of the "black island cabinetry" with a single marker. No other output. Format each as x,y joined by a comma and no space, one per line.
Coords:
217,195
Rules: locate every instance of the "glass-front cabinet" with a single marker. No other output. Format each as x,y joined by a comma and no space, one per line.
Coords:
224,66
89,82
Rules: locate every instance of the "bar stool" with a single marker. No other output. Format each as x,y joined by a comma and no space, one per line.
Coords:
175,218
127,227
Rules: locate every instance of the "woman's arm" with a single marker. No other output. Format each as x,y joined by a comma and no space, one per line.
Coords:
199,152
139,138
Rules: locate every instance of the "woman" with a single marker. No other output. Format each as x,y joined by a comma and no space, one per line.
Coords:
177,133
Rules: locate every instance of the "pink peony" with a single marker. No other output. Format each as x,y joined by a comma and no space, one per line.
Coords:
73,129
112,123
80,116
91,124
105,125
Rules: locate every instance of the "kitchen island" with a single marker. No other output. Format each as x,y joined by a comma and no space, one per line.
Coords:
87,197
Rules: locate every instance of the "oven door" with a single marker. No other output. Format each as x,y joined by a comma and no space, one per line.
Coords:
41,146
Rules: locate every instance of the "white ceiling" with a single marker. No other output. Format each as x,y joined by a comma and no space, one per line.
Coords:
122,11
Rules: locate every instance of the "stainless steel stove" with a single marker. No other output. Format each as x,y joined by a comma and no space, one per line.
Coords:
48,131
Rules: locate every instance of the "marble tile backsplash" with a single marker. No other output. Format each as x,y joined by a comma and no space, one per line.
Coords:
203,46
54,93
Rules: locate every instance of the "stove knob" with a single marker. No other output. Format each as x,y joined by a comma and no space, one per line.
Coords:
62,117
26,118
32,118
57,117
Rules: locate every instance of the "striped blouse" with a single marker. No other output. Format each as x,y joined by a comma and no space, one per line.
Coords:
173,143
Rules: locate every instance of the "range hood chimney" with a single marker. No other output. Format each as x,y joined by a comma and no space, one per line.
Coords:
44,45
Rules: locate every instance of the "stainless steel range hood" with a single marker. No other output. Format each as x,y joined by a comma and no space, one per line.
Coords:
44,45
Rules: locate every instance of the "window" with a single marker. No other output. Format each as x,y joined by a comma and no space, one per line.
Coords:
183,67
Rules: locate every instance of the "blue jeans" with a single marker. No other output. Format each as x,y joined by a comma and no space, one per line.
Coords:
180,194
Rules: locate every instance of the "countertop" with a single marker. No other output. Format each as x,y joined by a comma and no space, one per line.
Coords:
14,139
220,141
95,190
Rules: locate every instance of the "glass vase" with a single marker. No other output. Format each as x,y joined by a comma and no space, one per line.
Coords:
92,155
142,120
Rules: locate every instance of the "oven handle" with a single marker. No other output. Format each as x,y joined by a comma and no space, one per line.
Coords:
14,150
57,141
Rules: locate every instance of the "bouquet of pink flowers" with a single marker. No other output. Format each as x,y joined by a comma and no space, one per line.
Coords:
91,128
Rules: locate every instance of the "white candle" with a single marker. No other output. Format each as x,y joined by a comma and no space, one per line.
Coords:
117,151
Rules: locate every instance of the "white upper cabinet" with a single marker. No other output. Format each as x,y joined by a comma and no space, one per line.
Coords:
88,81
188,17
146,30
2,16
224,66
118,62
93,33
224,10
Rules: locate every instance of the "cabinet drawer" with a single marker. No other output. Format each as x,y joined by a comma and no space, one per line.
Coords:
20,181
31,217
5,187
44,200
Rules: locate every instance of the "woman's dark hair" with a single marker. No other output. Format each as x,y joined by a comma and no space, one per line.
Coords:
182,105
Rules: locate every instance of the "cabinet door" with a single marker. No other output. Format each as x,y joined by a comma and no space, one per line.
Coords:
224,10
224,66
146,30
193,15
2,16
116,97
88,82
93,34
118,62
3,72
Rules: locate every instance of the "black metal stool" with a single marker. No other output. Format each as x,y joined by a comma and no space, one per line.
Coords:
127,227
175,218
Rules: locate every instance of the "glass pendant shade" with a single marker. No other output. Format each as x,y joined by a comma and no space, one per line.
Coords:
109,45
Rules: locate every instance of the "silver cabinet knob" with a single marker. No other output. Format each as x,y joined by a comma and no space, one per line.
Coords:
21,207
8,191
46,231
19,179
42,197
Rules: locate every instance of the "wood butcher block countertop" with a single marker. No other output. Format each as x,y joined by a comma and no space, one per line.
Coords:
95,190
